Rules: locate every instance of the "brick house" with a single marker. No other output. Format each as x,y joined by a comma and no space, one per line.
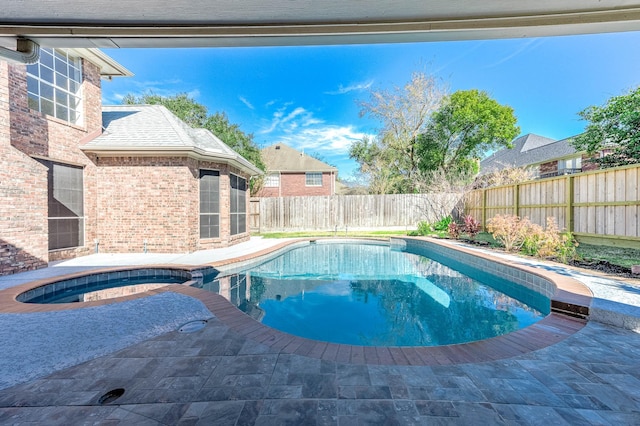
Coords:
547,157
62,190
291,172
163,186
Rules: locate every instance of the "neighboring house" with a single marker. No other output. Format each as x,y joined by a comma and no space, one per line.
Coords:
68,189
291,172
546,157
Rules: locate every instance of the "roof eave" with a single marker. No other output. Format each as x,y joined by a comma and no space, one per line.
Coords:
175,151
109,67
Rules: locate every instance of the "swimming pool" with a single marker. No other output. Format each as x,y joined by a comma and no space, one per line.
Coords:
104,285
376,294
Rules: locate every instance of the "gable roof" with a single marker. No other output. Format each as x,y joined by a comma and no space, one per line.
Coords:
528,150
154,130
283,158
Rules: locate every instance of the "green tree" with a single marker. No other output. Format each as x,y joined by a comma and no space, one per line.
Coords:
390,160
467,124
614,125
197,115
184,107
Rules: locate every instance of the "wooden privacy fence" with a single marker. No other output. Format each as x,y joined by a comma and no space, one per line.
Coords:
340,212
601,204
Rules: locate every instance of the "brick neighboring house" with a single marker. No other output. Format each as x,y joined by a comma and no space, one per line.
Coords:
547,157
62,190
291,172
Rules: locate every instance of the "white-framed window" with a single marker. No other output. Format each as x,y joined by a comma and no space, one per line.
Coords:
54,85
209,204
238,204
571,163
313,179
272,180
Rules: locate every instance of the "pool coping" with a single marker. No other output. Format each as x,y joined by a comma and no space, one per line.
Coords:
557,326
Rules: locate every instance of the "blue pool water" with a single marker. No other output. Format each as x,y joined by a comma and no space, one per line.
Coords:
375,295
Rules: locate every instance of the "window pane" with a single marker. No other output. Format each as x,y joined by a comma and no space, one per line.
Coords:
65,205
32,86
272,180
73,86
33,103
62,112
234,224
209,192
242,223
314,179
46,58
62,81
46,74
61,67
209,226
46,91
33,70
47,107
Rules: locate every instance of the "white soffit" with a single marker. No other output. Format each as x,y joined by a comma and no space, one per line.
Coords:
192,23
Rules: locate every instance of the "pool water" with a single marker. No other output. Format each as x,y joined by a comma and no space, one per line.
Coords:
376,295
107,285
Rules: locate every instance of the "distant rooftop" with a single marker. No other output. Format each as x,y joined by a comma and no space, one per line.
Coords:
283,158
528,150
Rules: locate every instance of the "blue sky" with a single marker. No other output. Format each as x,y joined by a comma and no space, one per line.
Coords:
307,96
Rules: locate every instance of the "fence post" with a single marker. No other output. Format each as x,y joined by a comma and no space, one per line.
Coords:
516,199
569,207
484,208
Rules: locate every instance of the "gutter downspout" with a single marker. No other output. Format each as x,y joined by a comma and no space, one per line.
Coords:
27,52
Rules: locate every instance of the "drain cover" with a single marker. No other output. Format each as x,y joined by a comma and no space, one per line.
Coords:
192,326
111,396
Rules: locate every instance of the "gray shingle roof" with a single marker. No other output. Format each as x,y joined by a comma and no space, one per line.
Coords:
283,158
153,127
528,150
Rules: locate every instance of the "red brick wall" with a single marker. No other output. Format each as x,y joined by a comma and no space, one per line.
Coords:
157,199
23,181
588,165
551,166
294,184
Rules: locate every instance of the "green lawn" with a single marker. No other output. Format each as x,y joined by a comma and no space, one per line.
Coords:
616,255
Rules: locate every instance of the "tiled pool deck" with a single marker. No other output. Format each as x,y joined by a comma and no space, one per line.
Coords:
236,371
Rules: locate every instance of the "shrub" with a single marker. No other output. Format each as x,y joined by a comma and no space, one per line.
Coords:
454,230
566,249
531,242
553,243
424,228
515,233
509,230
443,224
471,226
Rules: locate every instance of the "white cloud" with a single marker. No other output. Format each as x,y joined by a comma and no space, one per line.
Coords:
526,46
246,102
287,121
357,87
301,130
324,138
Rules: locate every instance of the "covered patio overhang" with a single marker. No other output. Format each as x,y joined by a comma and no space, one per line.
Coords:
210,23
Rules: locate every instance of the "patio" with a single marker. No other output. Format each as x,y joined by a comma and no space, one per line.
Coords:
227,374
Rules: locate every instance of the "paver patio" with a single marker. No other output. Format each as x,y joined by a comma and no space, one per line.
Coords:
226,374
